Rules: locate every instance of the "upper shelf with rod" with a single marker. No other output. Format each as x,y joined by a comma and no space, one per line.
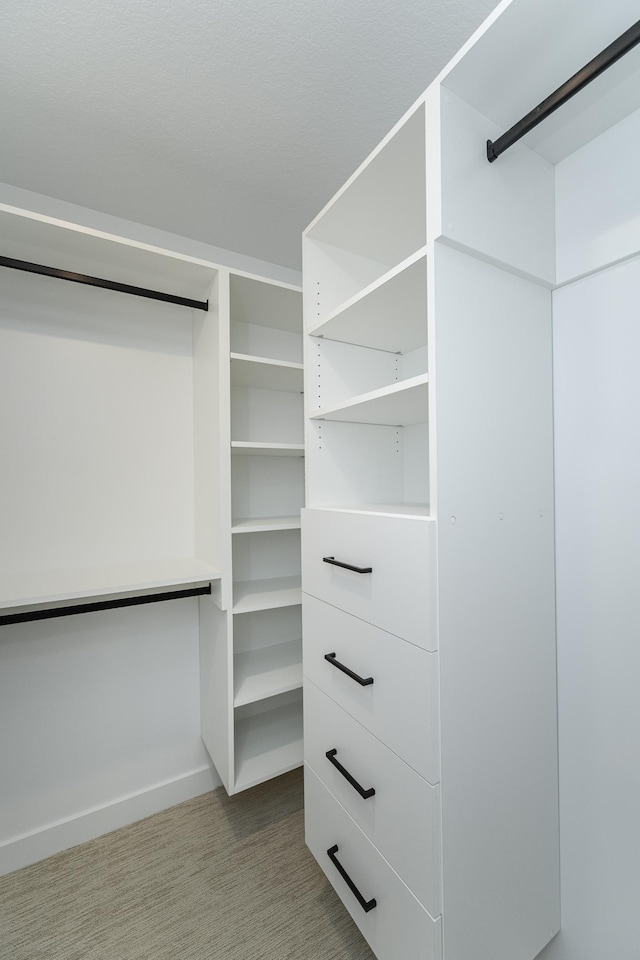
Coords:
511,49
99,259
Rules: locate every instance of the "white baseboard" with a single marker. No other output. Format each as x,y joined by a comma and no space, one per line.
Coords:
21,851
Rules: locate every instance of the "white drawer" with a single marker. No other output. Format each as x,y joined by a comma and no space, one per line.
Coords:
402,816
397,927
401,705
398,594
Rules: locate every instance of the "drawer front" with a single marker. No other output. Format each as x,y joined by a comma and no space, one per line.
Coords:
401,705
402,816
398,594
397,926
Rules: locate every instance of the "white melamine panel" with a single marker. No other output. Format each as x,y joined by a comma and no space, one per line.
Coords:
250,595
598,216
400,797
267,486
398,918
400,707
271,553
268,738
255,340
269,416
255,448
96,426
216,688
380,213
401,404
496,611
389,315
258,301
54,243
397,596
247,371
503,210
267,671
597,473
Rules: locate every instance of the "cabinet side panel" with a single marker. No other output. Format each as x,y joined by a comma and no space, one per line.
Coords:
504,210
597,397
496,611
216,688
210,417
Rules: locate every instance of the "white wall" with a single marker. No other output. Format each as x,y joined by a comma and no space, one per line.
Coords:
99,725
597,438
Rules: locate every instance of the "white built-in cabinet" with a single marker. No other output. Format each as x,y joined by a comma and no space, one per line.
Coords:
429,626
151,447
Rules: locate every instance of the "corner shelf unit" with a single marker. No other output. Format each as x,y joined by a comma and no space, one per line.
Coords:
253,661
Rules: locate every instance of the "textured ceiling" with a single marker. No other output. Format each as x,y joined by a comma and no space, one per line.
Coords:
228,121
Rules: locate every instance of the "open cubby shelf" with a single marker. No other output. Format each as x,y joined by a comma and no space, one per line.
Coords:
268,745
267,671
266,374
390,314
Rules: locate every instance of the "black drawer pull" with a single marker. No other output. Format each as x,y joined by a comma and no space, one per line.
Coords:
365,794
347,566
365,904
363,681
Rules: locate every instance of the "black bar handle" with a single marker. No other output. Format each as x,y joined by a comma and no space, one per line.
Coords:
346,566
365,794
363,681
365,904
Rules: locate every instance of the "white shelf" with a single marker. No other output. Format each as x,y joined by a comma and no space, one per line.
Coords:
390,314
268,745
264,524
252,595
85,583
254,448
264,373
400,404
407,511
55,243
267,672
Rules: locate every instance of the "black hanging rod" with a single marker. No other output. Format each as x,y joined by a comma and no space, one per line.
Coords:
626,42
98,605
105,284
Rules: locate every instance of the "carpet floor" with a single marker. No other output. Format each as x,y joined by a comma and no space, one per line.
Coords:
215,878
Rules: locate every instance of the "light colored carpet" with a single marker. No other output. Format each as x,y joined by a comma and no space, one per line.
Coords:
215,878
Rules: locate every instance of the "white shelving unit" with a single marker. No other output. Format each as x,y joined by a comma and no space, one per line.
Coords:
428,538
253,660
